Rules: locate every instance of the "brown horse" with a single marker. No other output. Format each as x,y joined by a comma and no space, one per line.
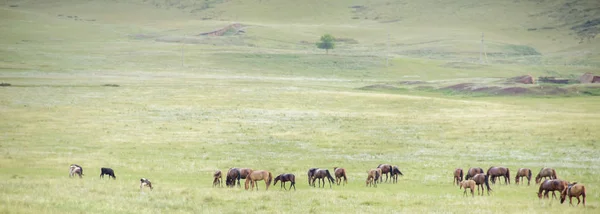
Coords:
395,172
468,184
458,176
481,179
523,172
311,173
573,190
551,186
321,174
372,176
285,178
232,175
339,174
258,175
545,173
472,172
244,172
495,172
217,178
385,169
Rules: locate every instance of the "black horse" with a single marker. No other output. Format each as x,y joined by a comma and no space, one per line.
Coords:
285,178
232,175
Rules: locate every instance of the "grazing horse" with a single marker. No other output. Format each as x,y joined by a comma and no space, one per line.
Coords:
259,175
385,169
339,174
144,182
573,190
75,169
551,186
311,173
458,176
373,176
495,172
470,184
545,173
481,179
218,178
244,172
523,172
285,178
472,172
321,174
232,175
107,171
395,172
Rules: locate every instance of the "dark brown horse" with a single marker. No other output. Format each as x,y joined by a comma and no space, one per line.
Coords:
285,178
258,175
481,179
551,186
372,176
523,172
385,169
321,174
339,174
458,176
495,172
472,172
470,184
573,190
395,172
311,173
232,175
217,178
545,173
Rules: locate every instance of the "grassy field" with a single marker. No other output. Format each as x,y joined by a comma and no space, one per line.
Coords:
268,99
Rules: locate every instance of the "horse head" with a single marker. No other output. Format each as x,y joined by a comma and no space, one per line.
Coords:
277,179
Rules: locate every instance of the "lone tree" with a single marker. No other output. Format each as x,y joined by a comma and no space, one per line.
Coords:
326,43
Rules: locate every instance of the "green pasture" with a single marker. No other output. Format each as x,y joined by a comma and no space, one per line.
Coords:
269,99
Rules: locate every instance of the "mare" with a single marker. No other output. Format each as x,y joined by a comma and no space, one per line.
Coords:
458,176
217,178
495,172
321,174
545,173
472,172
311,172
395,172
551,186
481,179
232,175
573,190
385,169
373,176
468,184
259,175
523,172
285,178
339,174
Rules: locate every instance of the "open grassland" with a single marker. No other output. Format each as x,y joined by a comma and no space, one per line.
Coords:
267,99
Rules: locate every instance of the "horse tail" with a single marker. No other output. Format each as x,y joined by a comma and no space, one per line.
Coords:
508,174
270,179
529,173
329,176
461,174
487,183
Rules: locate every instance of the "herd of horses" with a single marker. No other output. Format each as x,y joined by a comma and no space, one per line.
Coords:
476,177
234,175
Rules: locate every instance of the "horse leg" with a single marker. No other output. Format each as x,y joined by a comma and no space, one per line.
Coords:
472,191
293,184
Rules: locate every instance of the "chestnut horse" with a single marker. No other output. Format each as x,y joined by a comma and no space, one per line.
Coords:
395,172
472,172
551,186
523,172
285,178
468,184
495,172
372,176
545,173
232,175
458,176
339,174
217,178
481,179
385,169
258,175
573,190
321,174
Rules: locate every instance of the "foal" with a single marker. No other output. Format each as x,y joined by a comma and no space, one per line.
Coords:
468,184
373,176
339,174
218,178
